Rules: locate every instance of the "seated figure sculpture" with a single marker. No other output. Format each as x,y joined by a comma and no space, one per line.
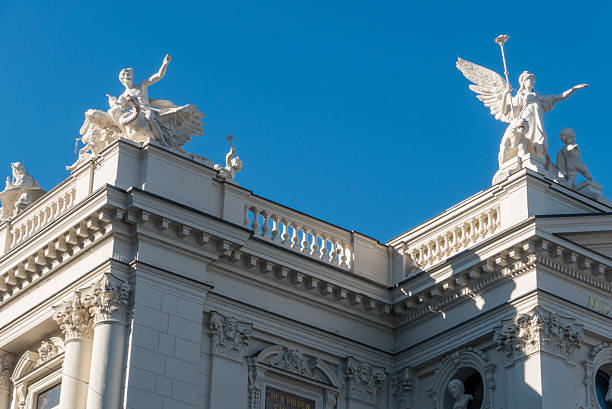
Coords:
457,391
20,191
569,160
137,117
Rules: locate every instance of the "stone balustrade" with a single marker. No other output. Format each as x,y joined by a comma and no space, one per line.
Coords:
41,214
443,243
299,232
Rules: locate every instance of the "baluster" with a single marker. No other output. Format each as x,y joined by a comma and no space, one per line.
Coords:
443,246
349,257
275,232
314,245
340,251
422,256
332,251
490,224
434,251
265,225
450,243
473,233
304,243
255,223
246,216
295,239
497,218
285,235
482,230
323,249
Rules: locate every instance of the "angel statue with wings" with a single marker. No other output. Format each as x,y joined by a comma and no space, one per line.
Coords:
523,111
139,118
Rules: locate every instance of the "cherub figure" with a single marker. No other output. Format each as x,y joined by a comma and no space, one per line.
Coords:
569,160
513,142
457,391
233,164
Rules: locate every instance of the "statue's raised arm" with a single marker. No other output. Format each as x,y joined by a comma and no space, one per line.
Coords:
159,74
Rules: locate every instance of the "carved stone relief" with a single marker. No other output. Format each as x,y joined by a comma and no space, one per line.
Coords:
538,330
364,381
402,386
230,336
47,350
292,362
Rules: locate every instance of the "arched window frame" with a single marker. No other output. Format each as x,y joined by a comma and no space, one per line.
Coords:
470,357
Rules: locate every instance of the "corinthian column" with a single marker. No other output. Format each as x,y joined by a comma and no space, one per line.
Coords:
7,362
75,322
109,310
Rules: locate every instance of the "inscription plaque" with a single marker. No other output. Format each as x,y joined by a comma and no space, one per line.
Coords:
277,399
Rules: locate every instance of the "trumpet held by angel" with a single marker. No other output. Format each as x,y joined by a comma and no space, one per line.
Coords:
137,117
523,110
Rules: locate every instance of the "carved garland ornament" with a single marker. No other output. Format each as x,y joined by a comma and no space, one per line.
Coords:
538,330
364,381
230,336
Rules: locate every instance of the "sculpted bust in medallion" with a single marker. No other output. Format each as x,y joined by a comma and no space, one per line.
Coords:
457,391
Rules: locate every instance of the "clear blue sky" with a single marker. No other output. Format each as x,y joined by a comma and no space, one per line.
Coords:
350,111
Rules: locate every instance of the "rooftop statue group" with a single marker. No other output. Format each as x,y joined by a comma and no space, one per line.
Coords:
139,118
525,143
19,192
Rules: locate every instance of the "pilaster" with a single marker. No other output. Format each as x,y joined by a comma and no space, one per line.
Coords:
7,363
229,347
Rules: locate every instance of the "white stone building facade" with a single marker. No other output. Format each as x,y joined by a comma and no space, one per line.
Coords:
145,281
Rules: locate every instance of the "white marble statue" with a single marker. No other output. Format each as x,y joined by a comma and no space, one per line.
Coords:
139,118
19,192
608,397
457,391
569,160
496,95
233,165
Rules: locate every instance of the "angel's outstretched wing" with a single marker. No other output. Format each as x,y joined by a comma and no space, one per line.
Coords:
181,122
99,127
489,86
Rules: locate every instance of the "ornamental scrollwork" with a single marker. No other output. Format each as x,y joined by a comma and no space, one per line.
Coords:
73,317
539,330
109,300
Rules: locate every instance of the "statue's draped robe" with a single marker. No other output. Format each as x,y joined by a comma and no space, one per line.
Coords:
531,107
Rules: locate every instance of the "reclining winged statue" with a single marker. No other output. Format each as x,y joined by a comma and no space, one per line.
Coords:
137,117
523,111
